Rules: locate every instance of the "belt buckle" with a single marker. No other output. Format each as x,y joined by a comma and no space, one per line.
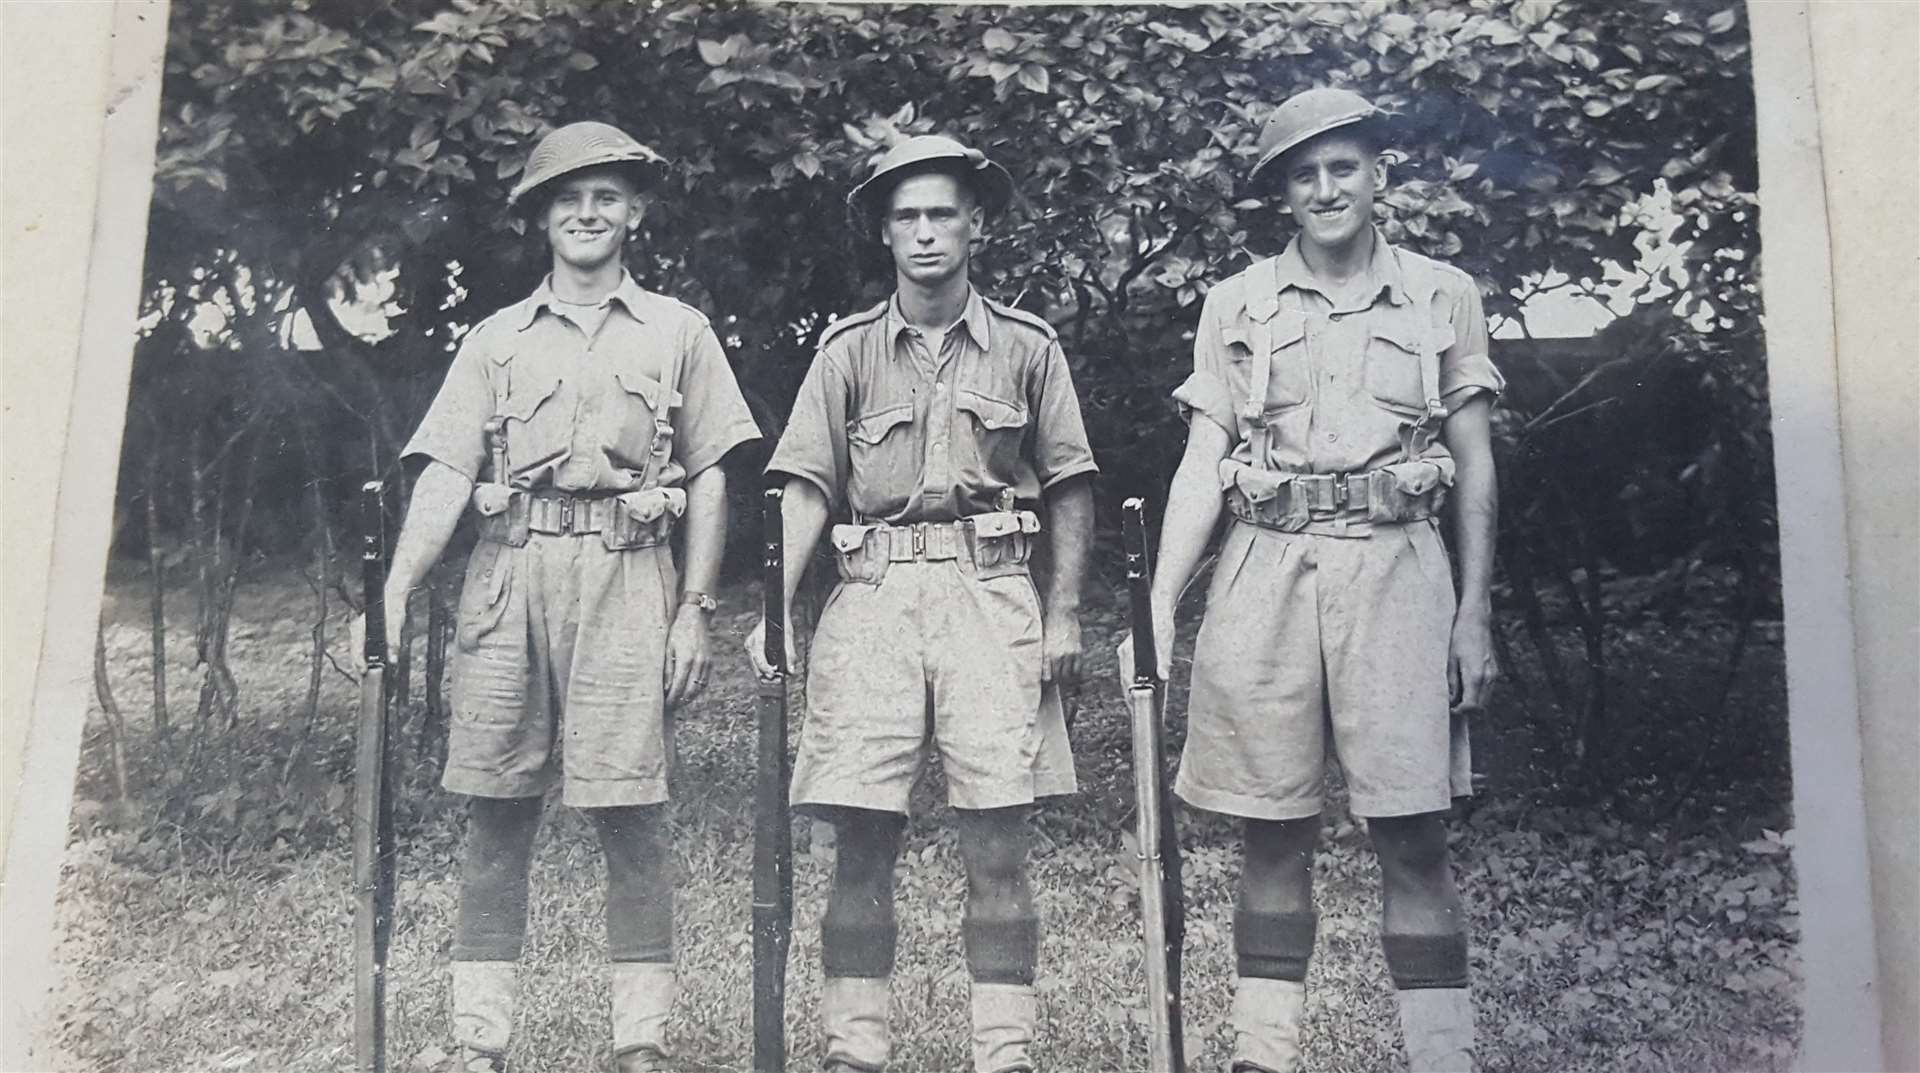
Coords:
920,540
566,514
1340,494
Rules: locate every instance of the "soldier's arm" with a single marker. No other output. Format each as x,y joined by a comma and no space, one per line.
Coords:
1193,509
1070,524
1195,500
706,529
1474,513
803,517
1475,504
1070,531
439,498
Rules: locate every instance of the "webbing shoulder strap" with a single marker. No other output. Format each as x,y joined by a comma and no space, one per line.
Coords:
1423,285
1262,308
661,450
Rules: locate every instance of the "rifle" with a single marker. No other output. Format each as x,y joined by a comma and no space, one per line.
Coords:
772,830
373,860
1162,903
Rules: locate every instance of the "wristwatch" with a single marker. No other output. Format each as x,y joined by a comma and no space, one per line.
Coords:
700,600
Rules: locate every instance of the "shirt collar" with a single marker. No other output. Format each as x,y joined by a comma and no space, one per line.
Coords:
627,292
973,318
1383,271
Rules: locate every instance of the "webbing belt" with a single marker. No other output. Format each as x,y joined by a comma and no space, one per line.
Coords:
568,515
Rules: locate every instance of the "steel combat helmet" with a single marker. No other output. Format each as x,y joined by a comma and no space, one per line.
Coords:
1307,115
991,183
583,145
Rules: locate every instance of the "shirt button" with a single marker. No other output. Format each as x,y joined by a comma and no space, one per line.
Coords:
1333,437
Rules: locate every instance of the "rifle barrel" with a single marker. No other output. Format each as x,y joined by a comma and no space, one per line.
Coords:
1162,904
773,833
372,802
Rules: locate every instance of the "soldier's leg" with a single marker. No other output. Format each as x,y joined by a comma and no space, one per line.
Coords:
1424,931
639,930
605,628
1273,930
1002,933
1256,747
491,927
1405,757
857,937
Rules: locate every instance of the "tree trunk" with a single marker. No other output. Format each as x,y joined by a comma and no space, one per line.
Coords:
317,658
157,604
116,724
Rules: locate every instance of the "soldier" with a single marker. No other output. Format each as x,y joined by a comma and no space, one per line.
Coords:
1339,390
936,420
581,424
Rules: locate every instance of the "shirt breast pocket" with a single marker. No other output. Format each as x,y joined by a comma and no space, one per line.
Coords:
997,428
536,428
1395,349
1288,372
881,466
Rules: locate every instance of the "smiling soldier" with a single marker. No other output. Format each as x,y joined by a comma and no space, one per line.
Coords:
936,420
1339,391
580,425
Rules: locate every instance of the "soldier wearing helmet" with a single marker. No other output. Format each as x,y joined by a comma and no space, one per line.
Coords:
579,426
931,426
1340,392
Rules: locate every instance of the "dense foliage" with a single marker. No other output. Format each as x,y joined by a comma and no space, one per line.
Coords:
318,159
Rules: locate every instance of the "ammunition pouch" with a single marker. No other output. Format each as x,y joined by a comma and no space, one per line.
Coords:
994,544
1296,502
623,521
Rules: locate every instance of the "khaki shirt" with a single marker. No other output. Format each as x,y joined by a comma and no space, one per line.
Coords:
1345,378
580,409
898,434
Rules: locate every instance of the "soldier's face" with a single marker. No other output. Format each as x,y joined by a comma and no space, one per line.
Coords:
590,215
930,226
1329,185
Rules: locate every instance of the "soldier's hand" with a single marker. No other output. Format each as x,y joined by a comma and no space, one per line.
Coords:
396,620
1061,647
687,659
1471,668
757,650
1163,648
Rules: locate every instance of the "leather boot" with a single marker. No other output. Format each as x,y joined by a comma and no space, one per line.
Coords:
1266,1024
1003,1020
1438,1024
483,998
643,994
853,1010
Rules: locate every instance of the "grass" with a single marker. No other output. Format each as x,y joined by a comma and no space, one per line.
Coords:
219,939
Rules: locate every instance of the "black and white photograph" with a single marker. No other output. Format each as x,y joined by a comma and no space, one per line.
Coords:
671,537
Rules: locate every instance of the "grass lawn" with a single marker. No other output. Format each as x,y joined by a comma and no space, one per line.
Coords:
218,937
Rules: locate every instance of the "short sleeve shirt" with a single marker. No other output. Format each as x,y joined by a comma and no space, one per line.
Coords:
580,407
1345,377
893,432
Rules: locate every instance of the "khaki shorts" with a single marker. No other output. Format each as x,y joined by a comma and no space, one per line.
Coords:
561,649
930,651
1311,641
